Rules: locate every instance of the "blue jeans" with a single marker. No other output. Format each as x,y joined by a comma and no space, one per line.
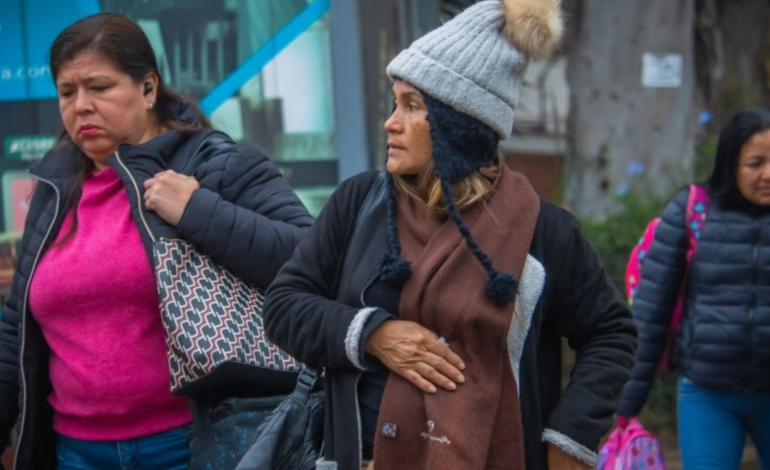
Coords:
713,427
168,450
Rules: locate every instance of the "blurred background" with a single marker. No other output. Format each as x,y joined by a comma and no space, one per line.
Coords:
611,127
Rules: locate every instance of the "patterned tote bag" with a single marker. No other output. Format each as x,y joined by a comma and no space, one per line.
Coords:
213,320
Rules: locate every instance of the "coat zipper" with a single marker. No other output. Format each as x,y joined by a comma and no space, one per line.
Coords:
366,287
29,282
140,203
358,406
24,324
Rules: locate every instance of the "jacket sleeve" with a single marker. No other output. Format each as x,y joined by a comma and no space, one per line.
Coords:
593,316
9,352
9,368
245,215
300,315
655,299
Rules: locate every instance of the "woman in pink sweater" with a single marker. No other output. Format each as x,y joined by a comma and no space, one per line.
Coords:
81,338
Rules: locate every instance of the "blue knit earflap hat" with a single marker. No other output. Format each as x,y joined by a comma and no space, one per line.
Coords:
470,72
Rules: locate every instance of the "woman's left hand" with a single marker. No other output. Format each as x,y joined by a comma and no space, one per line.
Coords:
168,193
560,460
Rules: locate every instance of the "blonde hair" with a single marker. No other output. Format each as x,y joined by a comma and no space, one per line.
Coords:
425,187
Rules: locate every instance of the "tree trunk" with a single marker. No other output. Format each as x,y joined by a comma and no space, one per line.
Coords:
732,55
621,133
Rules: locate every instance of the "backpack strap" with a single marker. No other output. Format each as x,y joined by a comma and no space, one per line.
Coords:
198,148
697,210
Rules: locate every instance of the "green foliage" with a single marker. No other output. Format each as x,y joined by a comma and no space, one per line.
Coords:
614,237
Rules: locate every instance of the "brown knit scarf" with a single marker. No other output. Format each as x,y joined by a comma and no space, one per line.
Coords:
478,426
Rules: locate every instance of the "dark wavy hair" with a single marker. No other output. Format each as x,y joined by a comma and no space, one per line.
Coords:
722,183
121,41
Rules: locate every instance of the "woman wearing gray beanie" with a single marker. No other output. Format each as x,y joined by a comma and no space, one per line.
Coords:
435,295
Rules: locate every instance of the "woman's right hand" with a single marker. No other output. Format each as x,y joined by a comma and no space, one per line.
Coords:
417,354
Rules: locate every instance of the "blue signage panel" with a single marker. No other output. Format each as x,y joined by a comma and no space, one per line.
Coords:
27,30
13,83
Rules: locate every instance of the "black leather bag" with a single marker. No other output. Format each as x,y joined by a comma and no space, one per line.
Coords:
291,437
221,438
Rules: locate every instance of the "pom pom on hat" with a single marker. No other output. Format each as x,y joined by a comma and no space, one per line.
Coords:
535,27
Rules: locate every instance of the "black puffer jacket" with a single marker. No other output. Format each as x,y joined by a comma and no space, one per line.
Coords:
245,216
724,343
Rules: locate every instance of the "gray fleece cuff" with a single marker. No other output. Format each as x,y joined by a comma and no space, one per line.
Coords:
322,464
353,336
571,447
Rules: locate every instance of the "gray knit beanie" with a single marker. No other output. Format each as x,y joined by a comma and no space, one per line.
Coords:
475,63
470,71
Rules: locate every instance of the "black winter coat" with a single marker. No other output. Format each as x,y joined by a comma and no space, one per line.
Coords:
724,340
245,216
564,292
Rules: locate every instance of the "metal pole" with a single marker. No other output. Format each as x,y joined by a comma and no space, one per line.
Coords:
221,50
190,52
414,21
177,48
427,15
348,87
205,55
403,29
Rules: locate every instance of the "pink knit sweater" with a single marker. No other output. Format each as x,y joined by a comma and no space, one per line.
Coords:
97,305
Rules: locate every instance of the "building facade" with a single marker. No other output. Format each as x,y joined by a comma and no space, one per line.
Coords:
302,79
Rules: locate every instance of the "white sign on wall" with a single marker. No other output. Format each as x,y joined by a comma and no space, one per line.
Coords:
662,70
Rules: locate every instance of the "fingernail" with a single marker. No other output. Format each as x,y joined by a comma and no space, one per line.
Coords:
452,386
461,378
432,389
462,366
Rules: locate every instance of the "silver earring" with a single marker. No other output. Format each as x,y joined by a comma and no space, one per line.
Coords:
150,104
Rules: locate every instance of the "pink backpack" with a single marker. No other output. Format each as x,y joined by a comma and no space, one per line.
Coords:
631,447
697,208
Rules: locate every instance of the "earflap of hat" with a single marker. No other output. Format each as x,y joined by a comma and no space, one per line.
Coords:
461,143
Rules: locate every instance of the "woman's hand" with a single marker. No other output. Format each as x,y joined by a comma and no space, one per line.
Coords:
416,353
168,193
560,460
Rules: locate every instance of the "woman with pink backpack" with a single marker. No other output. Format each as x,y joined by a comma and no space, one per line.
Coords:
712,261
